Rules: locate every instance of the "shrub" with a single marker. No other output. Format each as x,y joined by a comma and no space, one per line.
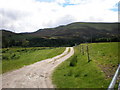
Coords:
76,73
5,58
14,56
73,61
103,54
69,73
5,50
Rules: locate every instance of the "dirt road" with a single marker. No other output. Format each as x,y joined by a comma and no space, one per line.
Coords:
37,75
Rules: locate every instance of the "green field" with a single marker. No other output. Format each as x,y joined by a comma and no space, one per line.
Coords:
14,58
77,72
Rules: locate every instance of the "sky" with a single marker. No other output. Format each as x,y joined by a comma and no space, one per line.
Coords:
30,15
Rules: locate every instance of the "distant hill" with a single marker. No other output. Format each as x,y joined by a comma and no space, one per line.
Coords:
66,35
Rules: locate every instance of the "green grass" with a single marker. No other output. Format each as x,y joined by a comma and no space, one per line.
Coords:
77,72
14,58
104,53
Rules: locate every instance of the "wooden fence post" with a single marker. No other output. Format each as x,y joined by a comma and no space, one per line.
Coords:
88,53
82,50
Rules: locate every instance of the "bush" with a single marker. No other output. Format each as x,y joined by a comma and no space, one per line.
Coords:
5,50
69,73
5,58
14,56
73,61
77,73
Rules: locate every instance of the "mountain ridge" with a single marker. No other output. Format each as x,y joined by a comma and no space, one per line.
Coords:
78,32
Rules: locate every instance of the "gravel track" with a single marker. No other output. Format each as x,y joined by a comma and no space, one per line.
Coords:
37,75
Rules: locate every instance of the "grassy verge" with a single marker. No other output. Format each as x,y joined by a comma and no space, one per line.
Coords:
14,58
77,72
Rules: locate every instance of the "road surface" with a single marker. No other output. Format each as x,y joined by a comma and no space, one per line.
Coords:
37,75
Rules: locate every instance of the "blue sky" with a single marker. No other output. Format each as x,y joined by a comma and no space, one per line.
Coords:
46,0
115,7
31,15
67,3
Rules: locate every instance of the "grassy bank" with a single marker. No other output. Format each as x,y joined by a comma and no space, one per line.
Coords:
14,58
77,72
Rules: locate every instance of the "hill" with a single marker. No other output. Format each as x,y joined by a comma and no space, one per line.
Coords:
66,35
80,29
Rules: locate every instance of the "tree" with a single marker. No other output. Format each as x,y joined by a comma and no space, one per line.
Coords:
25,43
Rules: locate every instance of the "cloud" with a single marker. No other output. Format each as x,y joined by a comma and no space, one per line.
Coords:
31,15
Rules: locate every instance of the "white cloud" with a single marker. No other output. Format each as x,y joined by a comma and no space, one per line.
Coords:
31,15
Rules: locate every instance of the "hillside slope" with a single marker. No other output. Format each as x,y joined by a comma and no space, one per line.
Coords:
80,29
78,72
66,35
